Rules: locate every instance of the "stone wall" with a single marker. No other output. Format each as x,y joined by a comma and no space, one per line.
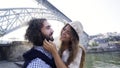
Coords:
14,51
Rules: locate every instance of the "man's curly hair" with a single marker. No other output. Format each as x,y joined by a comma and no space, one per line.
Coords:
33,33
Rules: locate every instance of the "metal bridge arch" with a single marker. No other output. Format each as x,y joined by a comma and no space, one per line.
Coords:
14,18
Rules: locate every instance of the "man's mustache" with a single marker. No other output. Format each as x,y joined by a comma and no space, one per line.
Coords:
51,34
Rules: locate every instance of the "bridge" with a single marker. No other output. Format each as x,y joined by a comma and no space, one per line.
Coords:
15,18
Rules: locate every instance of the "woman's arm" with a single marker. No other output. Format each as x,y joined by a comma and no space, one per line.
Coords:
50,46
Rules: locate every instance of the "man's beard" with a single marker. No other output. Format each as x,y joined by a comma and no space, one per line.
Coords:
48,38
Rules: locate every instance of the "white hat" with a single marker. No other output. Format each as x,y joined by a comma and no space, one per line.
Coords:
77,26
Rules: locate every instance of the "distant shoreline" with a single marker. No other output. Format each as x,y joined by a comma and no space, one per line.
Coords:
109,51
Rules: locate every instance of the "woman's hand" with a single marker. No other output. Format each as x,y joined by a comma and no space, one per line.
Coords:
49,46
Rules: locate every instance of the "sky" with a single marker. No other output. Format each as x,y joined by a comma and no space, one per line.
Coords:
96,16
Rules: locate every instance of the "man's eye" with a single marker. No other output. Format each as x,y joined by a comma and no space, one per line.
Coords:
48,27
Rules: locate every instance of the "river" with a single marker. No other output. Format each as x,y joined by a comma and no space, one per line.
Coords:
103,60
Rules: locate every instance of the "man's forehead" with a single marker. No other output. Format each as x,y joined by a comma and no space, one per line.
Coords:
45,24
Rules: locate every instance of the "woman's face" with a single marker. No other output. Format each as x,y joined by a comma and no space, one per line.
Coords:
66,34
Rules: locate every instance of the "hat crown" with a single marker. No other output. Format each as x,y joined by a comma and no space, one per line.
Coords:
77,26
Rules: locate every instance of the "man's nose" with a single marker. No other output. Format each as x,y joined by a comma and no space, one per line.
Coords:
52,30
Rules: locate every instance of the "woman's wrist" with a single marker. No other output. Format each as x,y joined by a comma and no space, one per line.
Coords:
54,53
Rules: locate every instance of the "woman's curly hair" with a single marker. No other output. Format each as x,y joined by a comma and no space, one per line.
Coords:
33,33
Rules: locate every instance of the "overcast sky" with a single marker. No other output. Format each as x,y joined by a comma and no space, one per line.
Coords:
97,16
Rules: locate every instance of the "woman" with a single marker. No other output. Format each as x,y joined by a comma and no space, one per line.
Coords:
71,53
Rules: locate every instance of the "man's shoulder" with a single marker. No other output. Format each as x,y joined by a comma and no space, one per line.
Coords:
45,52
38,63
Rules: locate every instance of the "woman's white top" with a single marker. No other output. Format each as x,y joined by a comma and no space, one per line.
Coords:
76,61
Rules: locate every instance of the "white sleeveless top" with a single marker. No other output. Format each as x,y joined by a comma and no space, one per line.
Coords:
76,61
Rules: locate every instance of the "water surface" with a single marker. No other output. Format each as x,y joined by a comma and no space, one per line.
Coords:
103,60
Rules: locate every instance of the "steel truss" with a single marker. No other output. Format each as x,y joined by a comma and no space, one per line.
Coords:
14,18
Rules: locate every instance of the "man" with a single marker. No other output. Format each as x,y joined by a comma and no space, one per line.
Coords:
38,30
